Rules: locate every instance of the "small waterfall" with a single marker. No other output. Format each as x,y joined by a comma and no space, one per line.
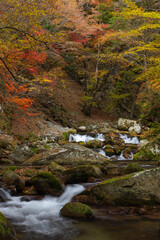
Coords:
121,157
85,138
129,139
41,216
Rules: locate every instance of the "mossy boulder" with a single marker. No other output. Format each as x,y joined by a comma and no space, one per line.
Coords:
81,173
55,168
113,139
127,152
94,144
47,183
112,169
133,167
109,150
11,179
133,189
72,154
6,229
77,210
118,149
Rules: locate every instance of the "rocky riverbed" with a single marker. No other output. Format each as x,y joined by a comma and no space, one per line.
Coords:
101,155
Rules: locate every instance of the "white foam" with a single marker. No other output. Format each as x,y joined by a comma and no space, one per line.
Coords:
85,138
40,216
129,139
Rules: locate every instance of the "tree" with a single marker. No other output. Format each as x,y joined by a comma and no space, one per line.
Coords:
25,43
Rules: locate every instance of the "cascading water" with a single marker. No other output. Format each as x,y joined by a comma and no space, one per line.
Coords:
129,139
85,138
40,218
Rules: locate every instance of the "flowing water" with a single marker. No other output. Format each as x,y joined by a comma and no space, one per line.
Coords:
40,220
86,138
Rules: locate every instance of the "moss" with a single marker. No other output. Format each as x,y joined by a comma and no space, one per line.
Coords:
116,179
5,230
66,135
147,155
52,180
78,210
3,218
34,149
133,167
29,173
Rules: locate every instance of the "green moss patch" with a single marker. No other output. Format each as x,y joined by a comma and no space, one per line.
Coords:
77,210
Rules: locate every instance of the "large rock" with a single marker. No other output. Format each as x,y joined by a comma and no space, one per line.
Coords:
72,154
47,183
150,151
77,210
112,138
55,168
21,154
6,229
81,173
11,179
129,125
134,189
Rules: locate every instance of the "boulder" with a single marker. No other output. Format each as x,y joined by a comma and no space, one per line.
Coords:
11,179
127,153
55,168
132,167
81,173
112,169
113,139
109,150
6,229
72,154
21,154
129,125
133,189
77,210
47,183
94,144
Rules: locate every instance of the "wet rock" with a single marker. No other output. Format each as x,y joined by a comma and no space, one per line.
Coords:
81,173
127,153
10,178
47,183
113,139
6,229
77,210
134,189
118,149
129,125
94,144
109,150
82,129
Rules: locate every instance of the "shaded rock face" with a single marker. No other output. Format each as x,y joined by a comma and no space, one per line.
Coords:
73,154
10,178
81,173
134,189
47,183
6,230
77,210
